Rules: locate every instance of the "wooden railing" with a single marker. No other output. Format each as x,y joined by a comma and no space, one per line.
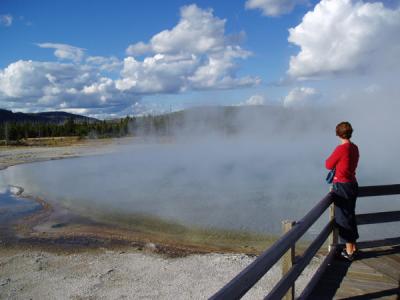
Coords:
284,247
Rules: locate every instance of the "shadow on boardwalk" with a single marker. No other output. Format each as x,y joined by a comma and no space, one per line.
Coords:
375,274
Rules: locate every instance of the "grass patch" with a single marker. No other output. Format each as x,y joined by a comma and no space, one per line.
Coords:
45,142
164,231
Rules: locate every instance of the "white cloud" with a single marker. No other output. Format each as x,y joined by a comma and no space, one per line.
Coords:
195,54
217,72
52,85
143,109
27,78
273,7
157,74
6,20
64,51
105,63
254,100
197,32
138,49
300,97
344,36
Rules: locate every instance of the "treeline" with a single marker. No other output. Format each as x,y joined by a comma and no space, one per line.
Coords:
14,131
137,126
215,119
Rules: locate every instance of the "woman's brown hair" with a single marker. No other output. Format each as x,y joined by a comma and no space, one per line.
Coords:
344,130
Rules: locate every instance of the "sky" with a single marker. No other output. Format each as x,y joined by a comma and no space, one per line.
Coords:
115,58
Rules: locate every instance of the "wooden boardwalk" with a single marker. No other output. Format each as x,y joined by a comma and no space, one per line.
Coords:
375,274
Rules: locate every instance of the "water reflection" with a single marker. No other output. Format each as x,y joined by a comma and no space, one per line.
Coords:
12,206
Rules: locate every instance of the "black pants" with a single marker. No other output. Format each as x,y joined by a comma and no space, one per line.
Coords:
345,195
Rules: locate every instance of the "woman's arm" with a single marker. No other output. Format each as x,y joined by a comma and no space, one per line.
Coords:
332,160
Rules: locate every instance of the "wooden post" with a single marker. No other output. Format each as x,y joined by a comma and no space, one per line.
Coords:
288,258
333,238
6,132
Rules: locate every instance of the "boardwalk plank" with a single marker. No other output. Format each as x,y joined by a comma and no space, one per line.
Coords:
377,277
394,258
384,267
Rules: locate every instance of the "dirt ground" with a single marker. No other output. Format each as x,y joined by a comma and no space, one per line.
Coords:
131,274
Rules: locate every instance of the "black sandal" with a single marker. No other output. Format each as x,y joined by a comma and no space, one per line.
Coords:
347,256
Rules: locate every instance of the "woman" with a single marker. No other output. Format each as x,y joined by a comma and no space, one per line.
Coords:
344,160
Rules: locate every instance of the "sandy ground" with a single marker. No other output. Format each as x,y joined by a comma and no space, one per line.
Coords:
126,273
17,155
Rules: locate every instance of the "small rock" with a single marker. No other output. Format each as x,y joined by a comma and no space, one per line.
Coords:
106,273
5,281
58,225
16,190
150,246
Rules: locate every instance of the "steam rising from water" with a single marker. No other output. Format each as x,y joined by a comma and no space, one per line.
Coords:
265,165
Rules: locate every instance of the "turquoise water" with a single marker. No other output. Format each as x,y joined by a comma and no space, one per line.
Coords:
13,207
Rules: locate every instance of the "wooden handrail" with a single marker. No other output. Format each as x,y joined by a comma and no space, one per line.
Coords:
380,217
379,190
284,284
247,278
242,282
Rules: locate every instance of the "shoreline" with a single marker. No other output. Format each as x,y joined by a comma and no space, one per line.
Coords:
56,228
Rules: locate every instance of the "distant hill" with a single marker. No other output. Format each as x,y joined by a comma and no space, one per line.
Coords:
55,117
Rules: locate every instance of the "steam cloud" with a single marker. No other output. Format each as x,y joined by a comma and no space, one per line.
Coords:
263,164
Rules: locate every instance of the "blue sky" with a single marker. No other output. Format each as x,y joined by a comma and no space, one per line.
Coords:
107,27
247,63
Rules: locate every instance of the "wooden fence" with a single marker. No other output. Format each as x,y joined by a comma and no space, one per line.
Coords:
284,247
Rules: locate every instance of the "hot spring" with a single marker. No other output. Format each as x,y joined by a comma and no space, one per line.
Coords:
228,184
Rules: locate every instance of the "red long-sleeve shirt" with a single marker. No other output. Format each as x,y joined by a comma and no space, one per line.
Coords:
345,159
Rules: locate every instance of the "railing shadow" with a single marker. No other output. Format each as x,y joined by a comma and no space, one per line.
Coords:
331,280
378,252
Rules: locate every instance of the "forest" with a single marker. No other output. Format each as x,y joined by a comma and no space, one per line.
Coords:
143,125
